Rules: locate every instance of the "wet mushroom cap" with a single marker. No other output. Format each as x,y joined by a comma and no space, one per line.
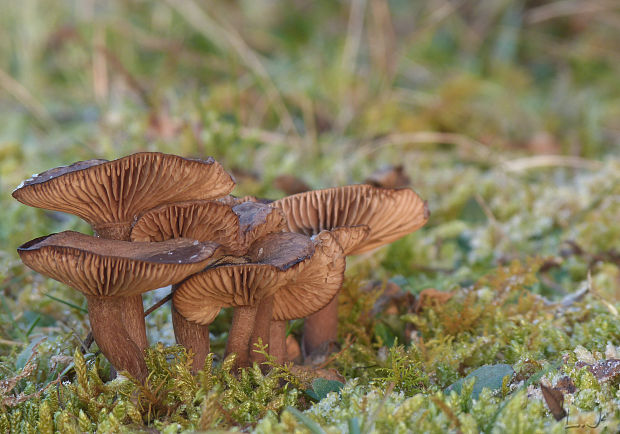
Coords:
100,267
270,263
390,213
316,283
114,192
235,228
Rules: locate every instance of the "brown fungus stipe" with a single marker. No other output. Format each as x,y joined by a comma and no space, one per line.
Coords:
110,194
242,283
108,272
234,225
389,214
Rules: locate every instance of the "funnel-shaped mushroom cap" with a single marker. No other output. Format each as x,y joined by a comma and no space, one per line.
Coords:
270,263
390,214
100,267
234,228
316,283
108,193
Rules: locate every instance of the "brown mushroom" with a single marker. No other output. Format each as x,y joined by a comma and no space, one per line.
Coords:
309,290
389,213
108,272
389,177
110,194
242,282
235,228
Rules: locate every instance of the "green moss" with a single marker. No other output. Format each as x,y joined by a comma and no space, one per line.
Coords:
512,244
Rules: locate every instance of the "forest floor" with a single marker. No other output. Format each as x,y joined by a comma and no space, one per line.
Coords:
499,315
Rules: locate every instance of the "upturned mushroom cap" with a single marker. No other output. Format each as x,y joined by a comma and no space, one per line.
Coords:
389,213
235,228
108,194
316,283
109,268
233,281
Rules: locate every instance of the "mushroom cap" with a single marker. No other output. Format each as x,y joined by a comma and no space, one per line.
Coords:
110,268
231,200
389,213
270,263
316,283
350,237
235,228
105,193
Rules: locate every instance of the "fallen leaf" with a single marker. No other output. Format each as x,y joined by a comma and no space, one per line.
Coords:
389,177
604,370
313,373
392,298
566,385
487,376
431,297
321,387
244,175
321,354
555,401
290,184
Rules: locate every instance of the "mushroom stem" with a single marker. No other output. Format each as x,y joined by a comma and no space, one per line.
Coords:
133,318
106,320
194,337
277,341
240,334
133,309
321,327
262,329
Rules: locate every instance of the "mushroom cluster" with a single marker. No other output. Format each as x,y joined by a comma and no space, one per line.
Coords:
161,220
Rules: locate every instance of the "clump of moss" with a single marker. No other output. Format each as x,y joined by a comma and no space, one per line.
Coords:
171,397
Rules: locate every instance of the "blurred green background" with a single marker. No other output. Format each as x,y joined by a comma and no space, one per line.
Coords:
327,90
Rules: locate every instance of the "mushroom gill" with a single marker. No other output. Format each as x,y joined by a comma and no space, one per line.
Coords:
108,272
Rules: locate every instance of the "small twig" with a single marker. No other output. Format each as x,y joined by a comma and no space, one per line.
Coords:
226,35
88,341
131,80
348,342
355,29
586,425
425,137
485,208
430,269
538,161
558,9
8,342
448,412
25,98
612,309
227,415
159,304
